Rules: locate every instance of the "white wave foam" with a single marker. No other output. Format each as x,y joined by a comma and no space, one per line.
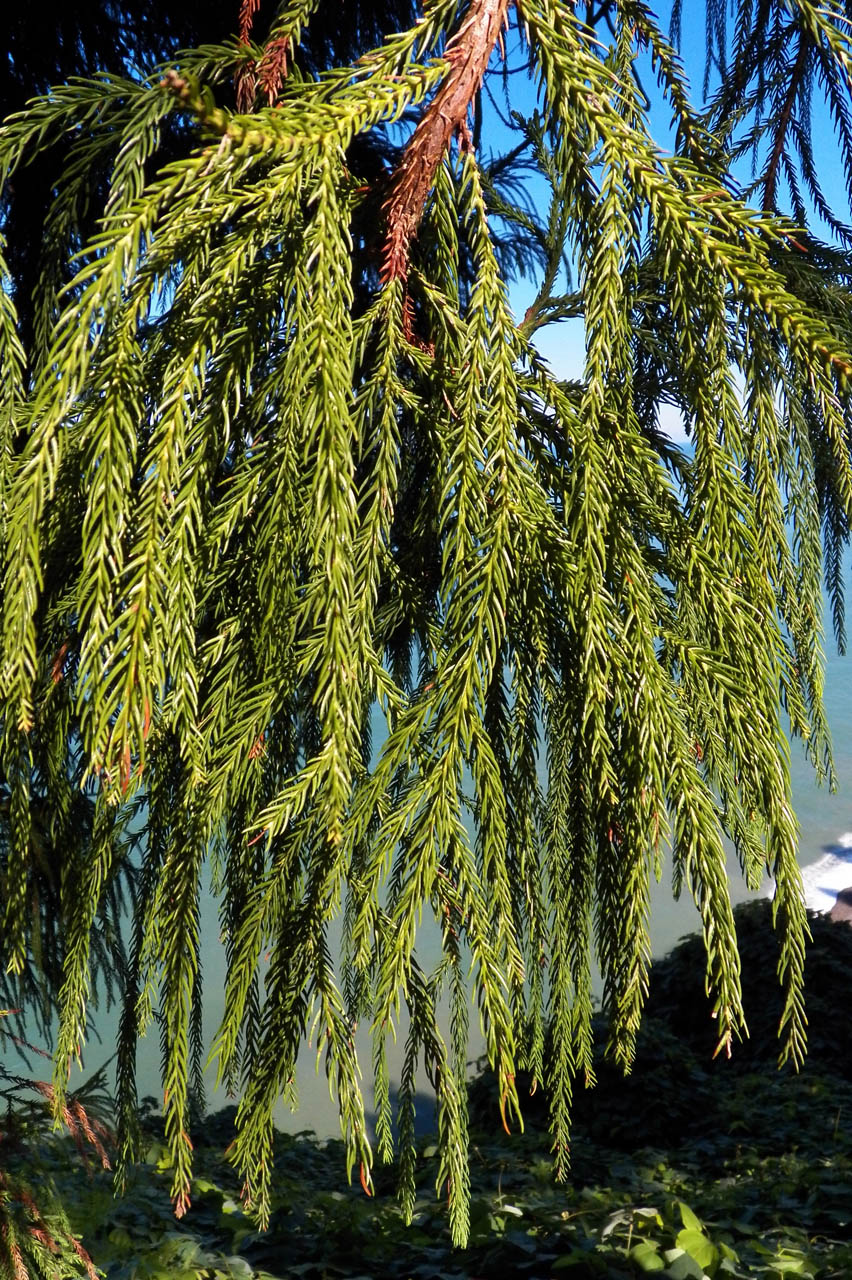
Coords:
826,877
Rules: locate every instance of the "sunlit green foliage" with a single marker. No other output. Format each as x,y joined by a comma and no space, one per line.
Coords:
352,598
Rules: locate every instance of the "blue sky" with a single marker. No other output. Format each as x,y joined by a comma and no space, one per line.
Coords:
562,344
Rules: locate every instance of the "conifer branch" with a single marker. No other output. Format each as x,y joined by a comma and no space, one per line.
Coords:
468,54
248,518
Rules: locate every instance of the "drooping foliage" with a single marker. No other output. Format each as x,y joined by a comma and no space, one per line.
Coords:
779,80
43,45
315,572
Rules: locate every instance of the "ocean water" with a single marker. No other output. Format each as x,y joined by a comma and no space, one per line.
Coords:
825,842
825,819
825,822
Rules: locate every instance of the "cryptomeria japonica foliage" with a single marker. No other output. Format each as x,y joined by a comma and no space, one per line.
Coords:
315,572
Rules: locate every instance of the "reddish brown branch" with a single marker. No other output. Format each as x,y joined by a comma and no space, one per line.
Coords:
273,65
467,53
248,9
266,75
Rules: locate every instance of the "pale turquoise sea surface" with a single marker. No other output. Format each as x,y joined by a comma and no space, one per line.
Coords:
825,819
825,830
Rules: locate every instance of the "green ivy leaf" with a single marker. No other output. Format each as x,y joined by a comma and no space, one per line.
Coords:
699,1247
680,1265
647,1256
